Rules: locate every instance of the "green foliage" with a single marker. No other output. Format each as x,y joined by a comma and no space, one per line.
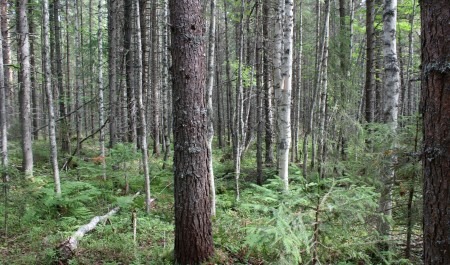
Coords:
286,235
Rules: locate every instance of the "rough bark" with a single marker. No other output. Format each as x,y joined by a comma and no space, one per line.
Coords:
369,86
268,114
25,87
155,84
436,113
129,70
35,108
112,72
193,231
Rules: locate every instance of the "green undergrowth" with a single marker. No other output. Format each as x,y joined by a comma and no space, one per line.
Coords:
332,220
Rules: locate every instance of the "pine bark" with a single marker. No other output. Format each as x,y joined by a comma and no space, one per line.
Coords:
369,86
436,113
193,231
155,84
267,79
113,28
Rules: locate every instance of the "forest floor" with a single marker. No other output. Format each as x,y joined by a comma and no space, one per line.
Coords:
267,226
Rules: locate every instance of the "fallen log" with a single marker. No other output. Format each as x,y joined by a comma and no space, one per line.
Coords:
67,249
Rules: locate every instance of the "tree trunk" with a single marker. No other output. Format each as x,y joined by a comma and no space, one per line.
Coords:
35,110
25,87
129,75
369,87
141,107
193,231
114,118
101,106
324,92
6,59
78,76
62,100
155,83
390,109
49,93
283,84
259,100
209,94
267,85
3,118
436,112
239,131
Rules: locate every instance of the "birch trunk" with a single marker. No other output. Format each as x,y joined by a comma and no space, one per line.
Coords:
283,86
3,119
390,108
6,58
239,132
49,93
142,116
209,90
101,106
78,73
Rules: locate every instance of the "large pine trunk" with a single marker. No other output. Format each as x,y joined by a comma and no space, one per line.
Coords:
436,112
193,231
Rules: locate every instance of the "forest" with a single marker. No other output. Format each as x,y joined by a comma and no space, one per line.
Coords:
225,132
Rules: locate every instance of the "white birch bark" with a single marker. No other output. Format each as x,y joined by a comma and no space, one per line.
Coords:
209,92
283,83
101,107
390,108
78,81
142,116
3,118
239,132
49,93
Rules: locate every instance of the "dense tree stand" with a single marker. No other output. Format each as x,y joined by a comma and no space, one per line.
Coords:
436,114
193,232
